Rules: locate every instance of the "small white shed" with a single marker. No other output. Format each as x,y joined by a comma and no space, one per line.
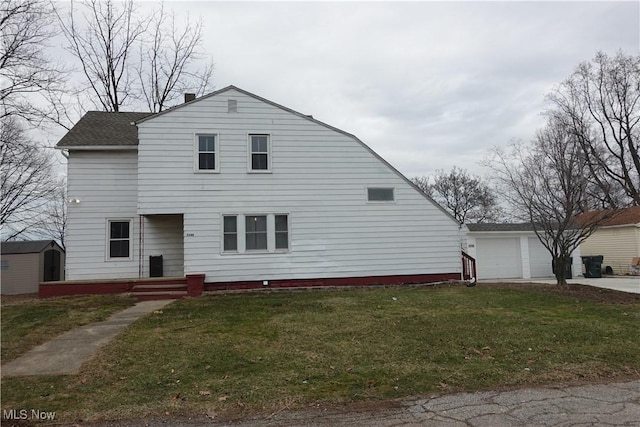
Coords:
511,251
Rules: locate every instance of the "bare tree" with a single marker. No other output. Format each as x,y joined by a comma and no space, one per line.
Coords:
54,220
28,76
600,106
168,63
423,183
127,58
546,183
27,180
467,197
102,40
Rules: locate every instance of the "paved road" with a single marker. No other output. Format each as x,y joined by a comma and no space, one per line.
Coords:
614,404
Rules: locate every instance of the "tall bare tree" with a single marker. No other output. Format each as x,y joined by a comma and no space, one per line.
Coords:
600,106
546,182
102,37
27,180
467,197
128,58
28,77
168,65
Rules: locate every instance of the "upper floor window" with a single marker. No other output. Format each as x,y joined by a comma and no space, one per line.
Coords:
207,159
119,233
380,194
259,153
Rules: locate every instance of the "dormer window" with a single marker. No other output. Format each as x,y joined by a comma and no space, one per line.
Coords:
207,153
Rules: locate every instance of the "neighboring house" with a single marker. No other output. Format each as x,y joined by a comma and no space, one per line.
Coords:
617,240
512,251
24,265
244,190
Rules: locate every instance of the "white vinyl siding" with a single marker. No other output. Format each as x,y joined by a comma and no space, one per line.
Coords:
319,177
104,184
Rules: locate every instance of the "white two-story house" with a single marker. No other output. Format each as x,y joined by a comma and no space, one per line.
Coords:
242,190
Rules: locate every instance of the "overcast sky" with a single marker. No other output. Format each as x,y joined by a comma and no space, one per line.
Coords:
427,85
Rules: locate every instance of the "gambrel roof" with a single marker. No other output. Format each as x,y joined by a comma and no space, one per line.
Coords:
116,130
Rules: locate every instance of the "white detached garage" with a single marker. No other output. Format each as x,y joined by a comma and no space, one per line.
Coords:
511,251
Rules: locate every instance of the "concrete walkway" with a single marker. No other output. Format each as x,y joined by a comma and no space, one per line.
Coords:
65,354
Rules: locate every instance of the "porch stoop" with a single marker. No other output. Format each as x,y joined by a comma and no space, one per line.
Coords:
159,291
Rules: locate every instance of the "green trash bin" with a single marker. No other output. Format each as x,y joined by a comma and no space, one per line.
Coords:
567,268
593,266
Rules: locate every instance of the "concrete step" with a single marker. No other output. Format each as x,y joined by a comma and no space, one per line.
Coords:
177,286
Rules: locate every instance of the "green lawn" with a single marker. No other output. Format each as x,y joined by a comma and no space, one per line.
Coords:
258,352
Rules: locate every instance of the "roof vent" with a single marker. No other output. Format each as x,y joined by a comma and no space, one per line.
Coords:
232,105
188,97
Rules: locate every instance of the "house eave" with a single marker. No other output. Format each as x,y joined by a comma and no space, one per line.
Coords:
97,147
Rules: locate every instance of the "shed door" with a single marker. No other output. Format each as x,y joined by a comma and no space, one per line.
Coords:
539,259
51,265
498,258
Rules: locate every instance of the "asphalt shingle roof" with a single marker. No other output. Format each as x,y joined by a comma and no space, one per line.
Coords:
25,247
102,128
525,226
626,216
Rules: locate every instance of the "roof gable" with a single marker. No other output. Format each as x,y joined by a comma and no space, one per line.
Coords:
27,247
103,129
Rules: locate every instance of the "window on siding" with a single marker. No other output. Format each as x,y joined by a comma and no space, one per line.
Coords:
259,152
256,232
282,231
380,195
207,153
230,233
4,264
119,239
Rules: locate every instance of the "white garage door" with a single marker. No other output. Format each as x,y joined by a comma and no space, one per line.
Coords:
498,258
539,259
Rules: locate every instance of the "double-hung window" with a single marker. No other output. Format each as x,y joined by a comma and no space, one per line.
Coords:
230,239
259,153
282,231
207,158
119,233
256,232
